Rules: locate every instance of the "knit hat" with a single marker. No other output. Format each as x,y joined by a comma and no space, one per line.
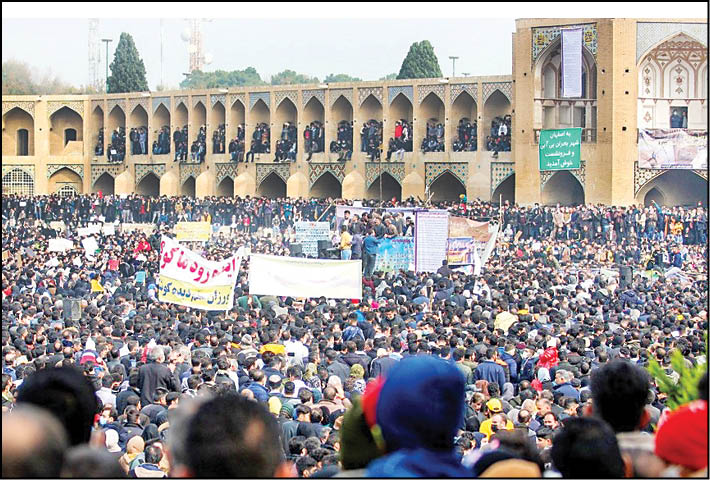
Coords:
357,371
421,404
682,439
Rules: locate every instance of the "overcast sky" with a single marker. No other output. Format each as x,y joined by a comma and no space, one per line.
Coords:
358,46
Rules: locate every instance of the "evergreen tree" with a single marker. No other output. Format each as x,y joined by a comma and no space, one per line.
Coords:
289,77
420,62
127,68
222,79
340,77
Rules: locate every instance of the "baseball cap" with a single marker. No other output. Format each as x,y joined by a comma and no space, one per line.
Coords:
682,439
494,405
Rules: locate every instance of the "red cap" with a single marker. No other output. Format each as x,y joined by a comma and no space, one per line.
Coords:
369,400
682,439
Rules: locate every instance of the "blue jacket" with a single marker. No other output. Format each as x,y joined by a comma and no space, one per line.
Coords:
370,244
490,371
512,365
567,390
260,392
418,463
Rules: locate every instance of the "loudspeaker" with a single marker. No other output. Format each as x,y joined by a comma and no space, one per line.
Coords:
626,276
295,249
323,246
72,309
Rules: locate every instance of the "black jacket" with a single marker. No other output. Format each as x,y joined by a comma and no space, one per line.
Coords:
152,376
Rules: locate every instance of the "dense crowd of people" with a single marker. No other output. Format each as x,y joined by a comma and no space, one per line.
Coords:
434,139
371,139
499,139
287,145
467,140
534,367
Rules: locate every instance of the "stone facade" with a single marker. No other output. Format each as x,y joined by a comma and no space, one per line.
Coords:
612,109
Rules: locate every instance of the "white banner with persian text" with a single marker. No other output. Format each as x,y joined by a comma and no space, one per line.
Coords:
304,277
571,62
189,279
431,239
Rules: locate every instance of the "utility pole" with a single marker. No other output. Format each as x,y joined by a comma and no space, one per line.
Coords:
106,41
453,60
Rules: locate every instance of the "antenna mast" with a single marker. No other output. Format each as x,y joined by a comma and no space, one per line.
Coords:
94,55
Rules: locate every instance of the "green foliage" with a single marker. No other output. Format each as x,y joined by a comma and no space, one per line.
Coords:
420,62
685,389
289,77
340,77
222,78
19,78
127,68
391,76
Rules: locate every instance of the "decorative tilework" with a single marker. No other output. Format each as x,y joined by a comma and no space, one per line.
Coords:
142,101
372,171
336,93
506,88
237,96
649,34
199,99
113,102
319,94
218,98
316,170
99,169
28,107
143,169
157,101
542,37
290,94
499,172
189,170
225,170
644,175
424,90
459,88
77,168
406,90
433,170
181,99
263,170
363,93
256,96
29,169
580,174
76,105
702,173
97,103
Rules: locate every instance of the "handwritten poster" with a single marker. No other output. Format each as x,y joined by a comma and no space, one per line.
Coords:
189,279
432,232
571,62
192,231
673,148
560,149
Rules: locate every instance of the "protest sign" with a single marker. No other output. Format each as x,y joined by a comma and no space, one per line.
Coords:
308,234
672,148
91,229
432,228
304,277
192,231
191,280
560,149
59,226
90,246
108,229
146,228
472,250
59,245
394,254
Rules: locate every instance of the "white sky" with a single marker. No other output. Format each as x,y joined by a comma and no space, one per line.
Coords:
366,40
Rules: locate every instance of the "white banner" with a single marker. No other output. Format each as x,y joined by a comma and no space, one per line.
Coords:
431,239
572,62
59,245
189,279
304,277
92,229
90,246
108,229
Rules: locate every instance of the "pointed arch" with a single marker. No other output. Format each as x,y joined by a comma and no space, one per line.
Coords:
447,187
63,120
431,111
401,108
371,108
149,186
677,188
506,190
65,177
188,186
272,186
314,111
551,56
18,133
390,188
116,120
161,117
286,112
104,184
97,130
218,122
19,182
237,116
563,188
326,186
198,119
225,187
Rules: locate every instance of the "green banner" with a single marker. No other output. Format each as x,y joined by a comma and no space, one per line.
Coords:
560,149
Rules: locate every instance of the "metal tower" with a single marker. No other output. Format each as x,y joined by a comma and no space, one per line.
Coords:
94,55
193,36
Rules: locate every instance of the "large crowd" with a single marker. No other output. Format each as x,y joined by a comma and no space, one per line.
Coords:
534,367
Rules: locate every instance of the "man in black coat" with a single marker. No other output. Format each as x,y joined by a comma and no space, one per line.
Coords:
154,374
